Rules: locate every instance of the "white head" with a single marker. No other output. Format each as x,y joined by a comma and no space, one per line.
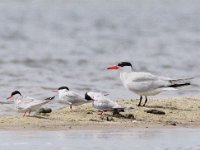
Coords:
62,90
93,96
14,95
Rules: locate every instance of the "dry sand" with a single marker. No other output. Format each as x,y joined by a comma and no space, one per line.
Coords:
179,112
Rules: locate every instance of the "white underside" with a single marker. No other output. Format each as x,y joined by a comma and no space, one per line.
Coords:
70,98
25,104
102,102
145,84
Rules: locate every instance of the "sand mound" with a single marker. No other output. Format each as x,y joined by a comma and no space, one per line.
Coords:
181,112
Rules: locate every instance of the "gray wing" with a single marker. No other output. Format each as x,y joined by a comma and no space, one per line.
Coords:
142,81
28,102
74,98
104,103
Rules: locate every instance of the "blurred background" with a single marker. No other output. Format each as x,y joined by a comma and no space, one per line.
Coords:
45,44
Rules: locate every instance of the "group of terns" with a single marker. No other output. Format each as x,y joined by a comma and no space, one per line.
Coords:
142,83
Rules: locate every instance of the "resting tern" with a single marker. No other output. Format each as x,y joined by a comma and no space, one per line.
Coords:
27,104
145,83
70,97
102,102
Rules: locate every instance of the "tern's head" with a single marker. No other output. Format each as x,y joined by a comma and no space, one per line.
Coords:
121,65
88,97
93,96
62,91
14,94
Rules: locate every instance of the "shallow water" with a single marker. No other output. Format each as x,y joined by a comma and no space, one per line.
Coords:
157,139
44,45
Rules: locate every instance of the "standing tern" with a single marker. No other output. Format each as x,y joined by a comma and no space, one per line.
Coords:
25,104
102,102
144,83
70,97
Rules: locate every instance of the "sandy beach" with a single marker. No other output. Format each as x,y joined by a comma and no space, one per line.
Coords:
179,112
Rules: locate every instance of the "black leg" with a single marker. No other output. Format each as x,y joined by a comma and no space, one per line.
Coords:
29,113
145,100
24,114
140,101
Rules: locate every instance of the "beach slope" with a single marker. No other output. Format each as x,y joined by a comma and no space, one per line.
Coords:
179,112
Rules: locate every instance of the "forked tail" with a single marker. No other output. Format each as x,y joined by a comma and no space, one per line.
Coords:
180,82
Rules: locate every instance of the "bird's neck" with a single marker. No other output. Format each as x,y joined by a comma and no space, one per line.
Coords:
61,94
18,99
123,76
124,73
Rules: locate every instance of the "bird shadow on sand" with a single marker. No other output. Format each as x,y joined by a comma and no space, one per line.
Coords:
112,117
166,107
38,117
121,116
124,116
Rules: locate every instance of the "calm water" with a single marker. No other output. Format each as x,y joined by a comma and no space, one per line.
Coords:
143,139
48,43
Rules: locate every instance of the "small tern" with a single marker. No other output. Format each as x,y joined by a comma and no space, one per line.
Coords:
70,98
25,104
103,103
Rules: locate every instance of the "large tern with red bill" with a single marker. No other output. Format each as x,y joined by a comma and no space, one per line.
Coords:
145,83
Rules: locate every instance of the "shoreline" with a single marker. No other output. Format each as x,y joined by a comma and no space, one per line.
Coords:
98,127
180,112
101,126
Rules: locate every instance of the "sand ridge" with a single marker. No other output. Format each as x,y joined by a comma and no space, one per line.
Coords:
179,112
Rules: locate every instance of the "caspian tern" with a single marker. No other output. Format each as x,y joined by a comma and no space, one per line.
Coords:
144,83
25,104
70,97
102,102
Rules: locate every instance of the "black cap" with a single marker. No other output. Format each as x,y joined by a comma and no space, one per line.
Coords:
15,92
63,87
123,64
87,97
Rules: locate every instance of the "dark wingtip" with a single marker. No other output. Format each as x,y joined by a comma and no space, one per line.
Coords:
50,98
179,85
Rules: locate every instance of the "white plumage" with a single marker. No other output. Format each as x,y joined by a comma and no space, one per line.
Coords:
25,104
102,102
70,97
146,84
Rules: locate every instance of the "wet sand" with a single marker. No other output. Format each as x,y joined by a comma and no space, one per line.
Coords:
179,112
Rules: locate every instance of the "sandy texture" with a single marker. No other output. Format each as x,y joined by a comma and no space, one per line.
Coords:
179,112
